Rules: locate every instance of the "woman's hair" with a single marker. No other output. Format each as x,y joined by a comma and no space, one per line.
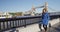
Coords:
44,10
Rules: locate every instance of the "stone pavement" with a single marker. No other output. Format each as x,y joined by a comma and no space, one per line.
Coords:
54,28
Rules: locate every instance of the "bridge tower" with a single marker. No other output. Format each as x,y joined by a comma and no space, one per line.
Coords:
32,10
45,6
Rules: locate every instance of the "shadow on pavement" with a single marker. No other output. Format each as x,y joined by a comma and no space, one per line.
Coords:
57,28
14,30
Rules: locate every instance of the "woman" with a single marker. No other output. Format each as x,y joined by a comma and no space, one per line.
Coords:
45,19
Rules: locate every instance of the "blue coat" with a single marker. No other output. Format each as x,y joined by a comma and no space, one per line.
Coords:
45,18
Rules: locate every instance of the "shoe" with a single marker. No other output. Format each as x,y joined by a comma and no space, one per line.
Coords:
41,29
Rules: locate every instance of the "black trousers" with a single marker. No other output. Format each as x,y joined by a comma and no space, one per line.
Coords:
44,26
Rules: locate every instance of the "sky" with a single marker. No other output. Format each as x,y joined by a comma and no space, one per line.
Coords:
25,5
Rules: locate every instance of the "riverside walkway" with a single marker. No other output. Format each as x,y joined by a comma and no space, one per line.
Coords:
35,27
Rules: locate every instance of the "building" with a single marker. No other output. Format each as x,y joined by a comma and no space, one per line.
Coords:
5,15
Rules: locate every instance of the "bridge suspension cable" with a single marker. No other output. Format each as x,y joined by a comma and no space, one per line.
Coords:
51,9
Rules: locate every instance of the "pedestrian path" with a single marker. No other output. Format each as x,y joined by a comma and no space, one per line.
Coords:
35,27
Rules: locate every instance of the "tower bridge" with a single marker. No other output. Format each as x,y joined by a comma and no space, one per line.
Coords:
33,9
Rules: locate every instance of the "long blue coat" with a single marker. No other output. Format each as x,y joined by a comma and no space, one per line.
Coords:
45,18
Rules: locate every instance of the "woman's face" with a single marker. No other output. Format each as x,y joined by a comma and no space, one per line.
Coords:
44,11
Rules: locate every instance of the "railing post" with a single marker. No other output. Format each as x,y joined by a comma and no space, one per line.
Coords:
18,23
3,25
15,23
25,23
12,23
7,24
59,18
0,25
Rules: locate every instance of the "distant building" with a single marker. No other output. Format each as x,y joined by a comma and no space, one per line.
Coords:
29,13
5,15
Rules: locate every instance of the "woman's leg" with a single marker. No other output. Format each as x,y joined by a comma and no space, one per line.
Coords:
45,27
40,27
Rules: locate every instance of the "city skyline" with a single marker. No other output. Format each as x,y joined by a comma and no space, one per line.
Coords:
25,5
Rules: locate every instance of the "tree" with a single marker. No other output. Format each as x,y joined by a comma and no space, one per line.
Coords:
19,13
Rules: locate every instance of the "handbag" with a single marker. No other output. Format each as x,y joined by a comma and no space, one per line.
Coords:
49,24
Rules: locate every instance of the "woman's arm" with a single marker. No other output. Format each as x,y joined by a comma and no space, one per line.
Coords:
48,17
